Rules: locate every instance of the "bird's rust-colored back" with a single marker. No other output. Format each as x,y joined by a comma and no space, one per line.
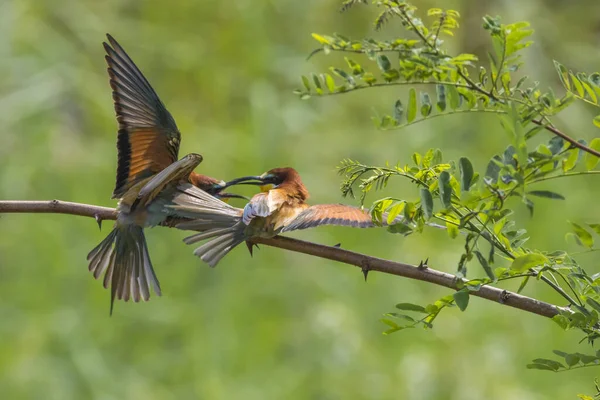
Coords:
148,139
203,182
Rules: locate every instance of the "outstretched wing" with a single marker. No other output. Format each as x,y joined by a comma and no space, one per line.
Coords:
330,214
148,138
263,205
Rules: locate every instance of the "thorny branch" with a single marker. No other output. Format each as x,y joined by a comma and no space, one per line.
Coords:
365,262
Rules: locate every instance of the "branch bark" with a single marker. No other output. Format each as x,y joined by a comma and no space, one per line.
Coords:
566,137
365,262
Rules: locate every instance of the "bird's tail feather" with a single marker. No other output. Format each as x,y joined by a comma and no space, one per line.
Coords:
224,241
193,203
124,260
214,219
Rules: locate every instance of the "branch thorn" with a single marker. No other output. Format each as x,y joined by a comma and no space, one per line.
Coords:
98,219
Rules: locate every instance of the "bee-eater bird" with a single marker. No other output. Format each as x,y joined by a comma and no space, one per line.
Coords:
147,174
280,207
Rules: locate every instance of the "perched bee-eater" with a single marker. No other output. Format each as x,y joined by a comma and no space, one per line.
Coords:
280,207
147,174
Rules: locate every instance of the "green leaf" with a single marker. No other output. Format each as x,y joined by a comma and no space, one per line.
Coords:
320,38
317,83
571,160
563,74
466,173
493,169
593,303
585,238
412,105
398,111
572,359
330,83
560,353
383,62
555,365
452,226
587,359
468,96
591,160
431,309
462,299
523,284
597,121
441,97
400,228
426,203
369,78
562,321
426,106
505,79
417,159
390,323
541,366
485,265
356,68
556,144
529,204
585,397
453,96
547,194
577,85
306,83
344,75
595,228
394,211
523,263
411,307
401,316
445,189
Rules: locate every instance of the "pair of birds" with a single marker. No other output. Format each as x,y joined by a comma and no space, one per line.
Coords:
154,187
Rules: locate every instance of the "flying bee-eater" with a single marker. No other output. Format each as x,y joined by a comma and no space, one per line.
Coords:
280,207
147,175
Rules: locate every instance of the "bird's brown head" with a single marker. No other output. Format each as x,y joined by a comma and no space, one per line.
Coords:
213,186
282,178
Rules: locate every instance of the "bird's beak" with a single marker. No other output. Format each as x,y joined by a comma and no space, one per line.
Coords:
217,191
246,180
226,196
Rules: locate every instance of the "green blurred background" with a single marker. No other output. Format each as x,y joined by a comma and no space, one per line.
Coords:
279,325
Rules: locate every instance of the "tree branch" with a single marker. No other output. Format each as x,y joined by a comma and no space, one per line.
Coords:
566,137
365,262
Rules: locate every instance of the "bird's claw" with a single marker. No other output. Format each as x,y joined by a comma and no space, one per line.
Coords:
504,297
423,264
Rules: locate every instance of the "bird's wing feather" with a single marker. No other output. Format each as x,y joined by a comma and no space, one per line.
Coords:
330,214
148,138
263,205
177,171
